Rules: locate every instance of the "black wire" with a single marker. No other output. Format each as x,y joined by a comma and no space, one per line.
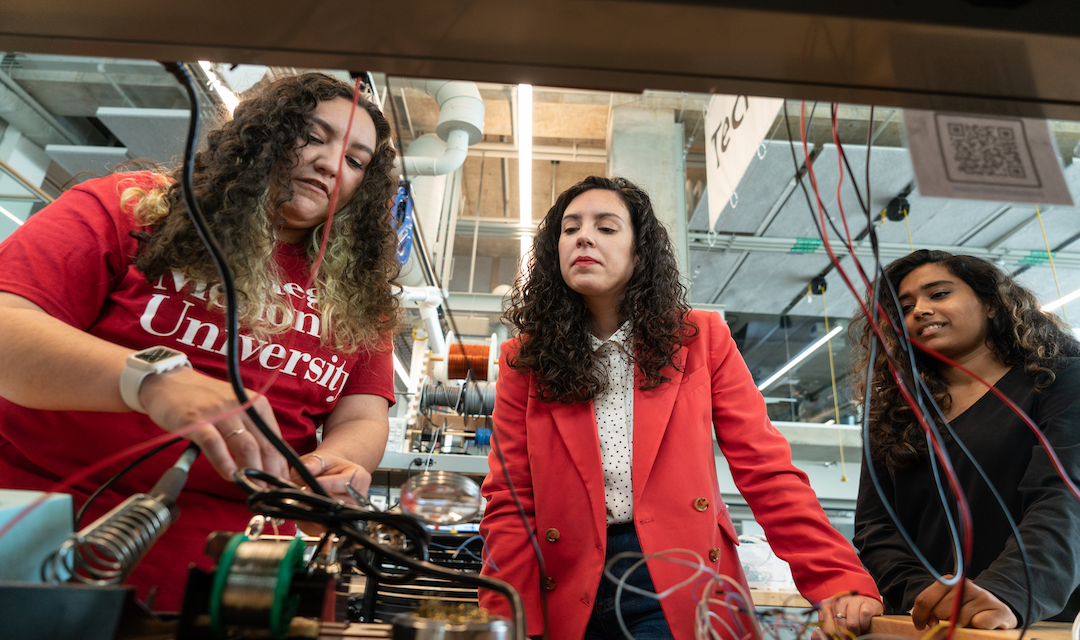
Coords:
520,624
869,145
800,172
528,529
288,500
232,330
881,491
866,412
843,156
113,480
924,391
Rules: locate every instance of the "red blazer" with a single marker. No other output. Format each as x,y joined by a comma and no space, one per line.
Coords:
552,454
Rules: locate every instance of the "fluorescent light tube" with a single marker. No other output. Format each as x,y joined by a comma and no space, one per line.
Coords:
799,357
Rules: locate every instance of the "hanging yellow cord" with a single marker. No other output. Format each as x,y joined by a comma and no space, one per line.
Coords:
908,224
836,401
1053,269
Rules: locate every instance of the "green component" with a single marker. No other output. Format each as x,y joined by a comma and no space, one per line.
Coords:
285,606
805,245
1034,258
221,575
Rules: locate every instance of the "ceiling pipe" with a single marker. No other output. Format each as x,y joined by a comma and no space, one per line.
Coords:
461,123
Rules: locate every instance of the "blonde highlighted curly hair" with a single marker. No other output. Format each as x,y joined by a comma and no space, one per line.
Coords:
248,158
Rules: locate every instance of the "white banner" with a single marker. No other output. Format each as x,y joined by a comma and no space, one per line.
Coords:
735,127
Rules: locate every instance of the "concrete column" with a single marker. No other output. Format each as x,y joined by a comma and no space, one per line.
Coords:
645,146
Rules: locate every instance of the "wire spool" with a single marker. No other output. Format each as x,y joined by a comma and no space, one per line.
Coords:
439,395
251,585
477,399
105,552
461,358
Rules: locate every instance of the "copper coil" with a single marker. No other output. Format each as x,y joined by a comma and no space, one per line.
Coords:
461,356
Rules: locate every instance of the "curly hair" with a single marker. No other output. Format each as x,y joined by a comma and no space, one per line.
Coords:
1019,333
245,161
553,320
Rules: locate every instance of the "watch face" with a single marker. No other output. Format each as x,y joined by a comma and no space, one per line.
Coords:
156,354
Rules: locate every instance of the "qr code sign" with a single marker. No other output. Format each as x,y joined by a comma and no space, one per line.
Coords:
986,151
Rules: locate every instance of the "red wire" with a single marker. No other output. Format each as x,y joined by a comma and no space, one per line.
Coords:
1015,409
839,200
954,482
337,187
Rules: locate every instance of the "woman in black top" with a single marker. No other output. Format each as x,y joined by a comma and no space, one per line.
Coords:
968,310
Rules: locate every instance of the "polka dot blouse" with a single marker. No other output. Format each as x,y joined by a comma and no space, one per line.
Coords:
615,420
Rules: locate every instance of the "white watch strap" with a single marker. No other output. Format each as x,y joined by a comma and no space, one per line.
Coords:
130,382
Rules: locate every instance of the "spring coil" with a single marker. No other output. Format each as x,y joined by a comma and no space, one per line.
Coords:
105,552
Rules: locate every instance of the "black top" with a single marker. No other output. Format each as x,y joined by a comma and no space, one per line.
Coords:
1047,513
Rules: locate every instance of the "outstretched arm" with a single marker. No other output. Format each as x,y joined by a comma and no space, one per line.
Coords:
46,363
823,563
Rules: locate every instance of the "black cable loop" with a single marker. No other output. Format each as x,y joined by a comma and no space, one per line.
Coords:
228,284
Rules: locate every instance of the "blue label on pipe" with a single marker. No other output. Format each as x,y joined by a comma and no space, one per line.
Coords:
403,222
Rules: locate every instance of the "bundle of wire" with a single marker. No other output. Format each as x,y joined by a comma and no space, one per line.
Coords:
904,370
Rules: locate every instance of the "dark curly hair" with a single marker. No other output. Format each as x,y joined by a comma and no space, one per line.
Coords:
243,177
1019,333
553,321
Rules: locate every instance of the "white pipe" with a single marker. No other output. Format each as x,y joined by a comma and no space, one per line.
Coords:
457,148
461,123
428,300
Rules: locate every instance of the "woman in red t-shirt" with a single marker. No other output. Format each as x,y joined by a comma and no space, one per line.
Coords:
115,266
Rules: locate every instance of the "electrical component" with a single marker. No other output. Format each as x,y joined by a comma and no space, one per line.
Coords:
251,585
897,209
106,551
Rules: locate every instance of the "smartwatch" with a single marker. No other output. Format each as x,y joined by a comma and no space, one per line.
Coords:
143,363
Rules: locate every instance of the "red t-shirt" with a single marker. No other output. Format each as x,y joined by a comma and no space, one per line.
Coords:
74,259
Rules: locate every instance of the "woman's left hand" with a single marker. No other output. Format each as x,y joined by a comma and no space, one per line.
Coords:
334,472
848,613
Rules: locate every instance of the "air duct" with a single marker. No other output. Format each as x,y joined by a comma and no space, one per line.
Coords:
461,123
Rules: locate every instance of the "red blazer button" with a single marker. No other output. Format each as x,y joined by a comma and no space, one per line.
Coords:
552,535
550,584
714,555
701,504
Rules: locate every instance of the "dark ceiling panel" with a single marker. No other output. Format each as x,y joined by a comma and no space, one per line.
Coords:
605,44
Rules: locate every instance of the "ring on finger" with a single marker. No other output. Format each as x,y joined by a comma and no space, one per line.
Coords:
235,433
840,616
321,461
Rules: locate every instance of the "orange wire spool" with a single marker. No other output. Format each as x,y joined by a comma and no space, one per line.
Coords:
458,361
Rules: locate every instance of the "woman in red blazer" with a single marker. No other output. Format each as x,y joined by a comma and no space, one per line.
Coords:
604,418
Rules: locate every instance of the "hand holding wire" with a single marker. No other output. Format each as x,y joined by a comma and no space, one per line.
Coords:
979,608
184,397
336,474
